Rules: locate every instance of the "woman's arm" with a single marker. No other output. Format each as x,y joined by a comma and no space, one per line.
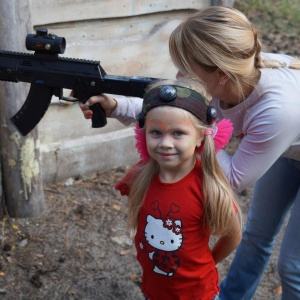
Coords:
270,131
253,157
120,107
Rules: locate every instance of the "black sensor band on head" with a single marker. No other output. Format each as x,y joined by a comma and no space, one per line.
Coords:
181,97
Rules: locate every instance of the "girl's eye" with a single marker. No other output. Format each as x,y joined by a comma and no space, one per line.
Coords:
155,132
178,133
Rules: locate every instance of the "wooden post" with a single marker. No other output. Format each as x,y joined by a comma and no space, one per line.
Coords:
20,156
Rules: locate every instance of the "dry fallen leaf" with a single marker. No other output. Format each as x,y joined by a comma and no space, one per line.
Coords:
125,252
15,227
279,290
116,207
134,277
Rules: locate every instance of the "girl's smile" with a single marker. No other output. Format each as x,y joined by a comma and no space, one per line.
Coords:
167,156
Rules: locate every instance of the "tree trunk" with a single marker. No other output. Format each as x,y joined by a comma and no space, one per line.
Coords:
22,185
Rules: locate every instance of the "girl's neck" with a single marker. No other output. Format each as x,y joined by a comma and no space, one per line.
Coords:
172,175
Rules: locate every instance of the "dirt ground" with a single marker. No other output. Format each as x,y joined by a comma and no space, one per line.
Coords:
79,247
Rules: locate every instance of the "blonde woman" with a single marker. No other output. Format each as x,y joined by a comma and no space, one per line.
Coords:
260,94
178,194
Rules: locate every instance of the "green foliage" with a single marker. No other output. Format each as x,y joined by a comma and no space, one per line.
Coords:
272,15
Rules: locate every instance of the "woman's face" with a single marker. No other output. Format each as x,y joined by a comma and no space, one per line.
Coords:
211,80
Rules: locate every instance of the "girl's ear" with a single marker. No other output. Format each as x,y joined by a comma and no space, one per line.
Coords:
200,148
199,141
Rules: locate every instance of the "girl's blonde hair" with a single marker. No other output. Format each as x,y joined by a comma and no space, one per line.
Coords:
221,37
218,196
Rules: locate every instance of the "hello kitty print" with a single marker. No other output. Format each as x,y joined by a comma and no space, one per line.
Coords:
164,235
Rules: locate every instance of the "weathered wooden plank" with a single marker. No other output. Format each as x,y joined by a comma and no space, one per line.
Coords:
136,47
62,11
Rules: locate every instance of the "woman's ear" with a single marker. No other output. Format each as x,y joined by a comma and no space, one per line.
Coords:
223,77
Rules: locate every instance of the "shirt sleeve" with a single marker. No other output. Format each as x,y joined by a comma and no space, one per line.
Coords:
269,122
127,109
124,185
266,139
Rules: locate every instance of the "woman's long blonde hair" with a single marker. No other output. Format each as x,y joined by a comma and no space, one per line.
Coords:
218,196
221,37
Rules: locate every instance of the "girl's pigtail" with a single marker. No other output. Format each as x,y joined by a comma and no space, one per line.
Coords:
221,133
219,198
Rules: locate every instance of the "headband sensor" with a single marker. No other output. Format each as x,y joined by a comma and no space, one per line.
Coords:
181,97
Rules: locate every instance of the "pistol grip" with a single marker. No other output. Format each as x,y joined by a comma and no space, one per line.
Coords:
99,117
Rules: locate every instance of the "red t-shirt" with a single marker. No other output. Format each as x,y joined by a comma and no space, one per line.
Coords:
172,243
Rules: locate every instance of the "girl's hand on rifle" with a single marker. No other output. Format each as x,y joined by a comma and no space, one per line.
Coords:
107,102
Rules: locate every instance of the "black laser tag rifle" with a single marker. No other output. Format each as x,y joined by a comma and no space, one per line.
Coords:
49,74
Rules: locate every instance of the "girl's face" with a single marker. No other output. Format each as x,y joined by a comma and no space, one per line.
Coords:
172,139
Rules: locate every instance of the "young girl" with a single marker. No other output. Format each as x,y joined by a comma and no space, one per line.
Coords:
259,93
178,194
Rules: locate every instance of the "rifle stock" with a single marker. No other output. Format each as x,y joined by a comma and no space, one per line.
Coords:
49,74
